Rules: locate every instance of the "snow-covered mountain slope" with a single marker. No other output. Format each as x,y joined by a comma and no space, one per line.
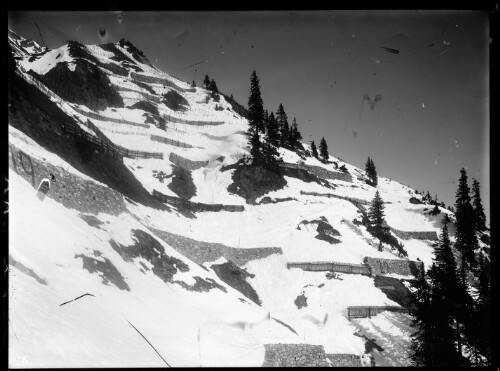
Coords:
22,47
152,274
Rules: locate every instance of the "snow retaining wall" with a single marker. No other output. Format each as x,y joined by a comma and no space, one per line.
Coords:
179,120
69,189
195,206
158,80
106,144
369,311
185,163
305,355
379,266
355,201
418,235
320,172
97,116
154,98
172,142
331,266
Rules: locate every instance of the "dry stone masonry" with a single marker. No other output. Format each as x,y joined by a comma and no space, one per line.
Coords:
185,163
320,172
69,189
379,266
201,252
418,235
306,355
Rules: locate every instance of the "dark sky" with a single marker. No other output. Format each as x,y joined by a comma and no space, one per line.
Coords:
431,117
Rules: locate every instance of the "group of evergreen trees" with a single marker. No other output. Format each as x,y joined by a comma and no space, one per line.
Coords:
282,133
210,84
449,319
323,150
277,132
371,172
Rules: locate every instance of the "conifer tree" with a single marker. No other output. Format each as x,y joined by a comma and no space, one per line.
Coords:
266,120
255,145
270,145
422,339
478,207
323,150
371,171
206,82
255,104
256,112
295,135
282,120
376,214
483,313
314,150
374,173
454,296
443,338
466,241
272,134
213,86
368,168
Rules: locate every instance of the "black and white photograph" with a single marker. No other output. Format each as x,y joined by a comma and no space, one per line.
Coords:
248,188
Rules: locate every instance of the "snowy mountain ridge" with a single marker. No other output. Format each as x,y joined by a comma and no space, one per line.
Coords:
136,282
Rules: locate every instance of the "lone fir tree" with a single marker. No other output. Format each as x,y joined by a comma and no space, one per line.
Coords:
294,136
256,119
376,214
421,340
272,132
480,218
206,82
314,151
213,86
466,241
255,105
282,120
323,150
371,171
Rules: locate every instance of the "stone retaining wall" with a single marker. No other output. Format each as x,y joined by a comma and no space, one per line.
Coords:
69,189
185,163
320,172
381,266
355,201
419,235
201,252
331,267
306,355
195,206
344,360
